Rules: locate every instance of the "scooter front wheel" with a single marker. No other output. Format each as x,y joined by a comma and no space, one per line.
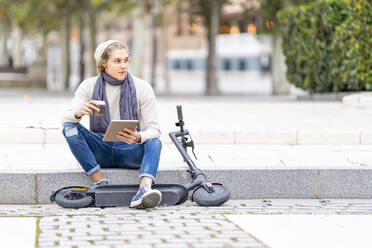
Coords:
69,198
214,195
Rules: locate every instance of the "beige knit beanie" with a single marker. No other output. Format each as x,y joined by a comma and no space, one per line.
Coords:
102,47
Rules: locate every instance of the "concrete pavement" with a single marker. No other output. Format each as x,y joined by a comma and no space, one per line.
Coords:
284,231
10,229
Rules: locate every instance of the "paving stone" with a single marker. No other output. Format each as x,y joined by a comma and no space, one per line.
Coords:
214,137
133,246
46,244
257,136
54,136
74,243
87,238
172,245
22,136
93,245
111,242
328,137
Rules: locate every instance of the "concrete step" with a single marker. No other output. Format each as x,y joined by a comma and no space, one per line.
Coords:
210,121
41,135
29,173
358,100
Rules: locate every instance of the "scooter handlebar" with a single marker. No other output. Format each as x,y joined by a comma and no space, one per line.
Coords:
179,112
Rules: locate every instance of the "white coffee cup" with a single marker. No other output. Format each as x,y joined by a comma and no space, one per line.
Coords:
101,105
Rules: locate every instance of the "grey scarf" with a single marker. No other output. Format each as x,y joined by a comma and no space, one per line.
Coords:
128,101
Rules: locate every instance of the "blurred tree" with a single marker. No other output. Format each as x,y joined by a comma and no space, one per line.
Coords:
137,40
81,23
268,10
64,10
18,25
4,31
164,23
40,16
157,11
154,7
210,11
28,17
43,16
92,8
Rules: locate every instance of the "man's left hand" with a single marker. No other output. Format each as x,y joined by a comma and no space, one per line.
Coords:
129,136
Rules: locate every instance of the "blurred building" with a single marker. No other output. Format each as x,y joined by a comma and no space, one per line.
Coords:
238,47
244,52
240,51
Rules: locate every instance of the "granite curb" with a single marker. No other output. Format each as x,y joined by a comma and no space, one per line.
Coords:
35,187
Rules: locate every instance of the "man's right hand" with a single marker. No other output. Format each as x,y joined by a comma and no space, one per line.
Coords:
87,109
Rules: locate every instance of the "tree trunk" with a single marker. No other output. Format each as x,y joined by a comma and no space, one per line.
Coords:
44,48
164,37
179,21
137,44
279,83
212,88
154,59
154,56
44,59
82,46
91,21
3,40
17,50
38,70
65,48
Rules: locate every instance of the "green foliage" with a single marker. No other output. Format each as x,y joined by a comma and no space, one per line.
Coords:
328,44
30,15
268,10
33,16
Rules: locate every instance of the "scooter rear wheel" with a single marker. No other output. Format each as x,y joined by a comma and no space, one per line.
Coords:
217,197
66,198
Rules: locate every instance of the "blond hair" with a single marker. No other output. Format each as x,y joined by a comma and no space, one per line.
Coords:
106,54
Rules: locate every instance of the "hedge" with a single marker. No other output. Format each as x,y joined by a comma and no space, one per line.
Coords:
328,45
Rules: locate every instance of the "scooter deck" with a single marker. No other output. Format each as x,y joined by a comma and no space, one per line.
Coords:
121,195
113,195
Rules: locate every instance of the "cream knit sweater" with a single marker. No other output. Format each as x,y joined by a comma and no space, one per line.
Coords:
146,105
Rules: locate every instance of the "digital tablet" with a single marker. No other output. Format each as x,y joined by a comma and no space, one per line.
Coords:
117,126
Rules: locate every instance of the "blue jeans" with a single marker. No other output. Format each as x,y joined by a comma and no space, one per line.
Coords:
92,153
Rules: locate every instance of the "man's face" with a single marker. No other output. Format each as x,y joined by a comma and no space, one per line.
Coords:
117,64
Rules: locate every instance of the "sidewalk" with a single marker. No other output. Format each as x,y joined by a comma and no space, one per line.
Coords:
258,149
237,223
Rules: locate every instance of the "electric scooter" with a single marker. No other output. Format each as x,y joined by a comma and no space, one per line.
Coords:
204,193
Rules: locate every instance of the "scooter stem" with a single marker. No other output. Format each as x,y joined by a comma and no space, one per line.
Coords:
173,136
